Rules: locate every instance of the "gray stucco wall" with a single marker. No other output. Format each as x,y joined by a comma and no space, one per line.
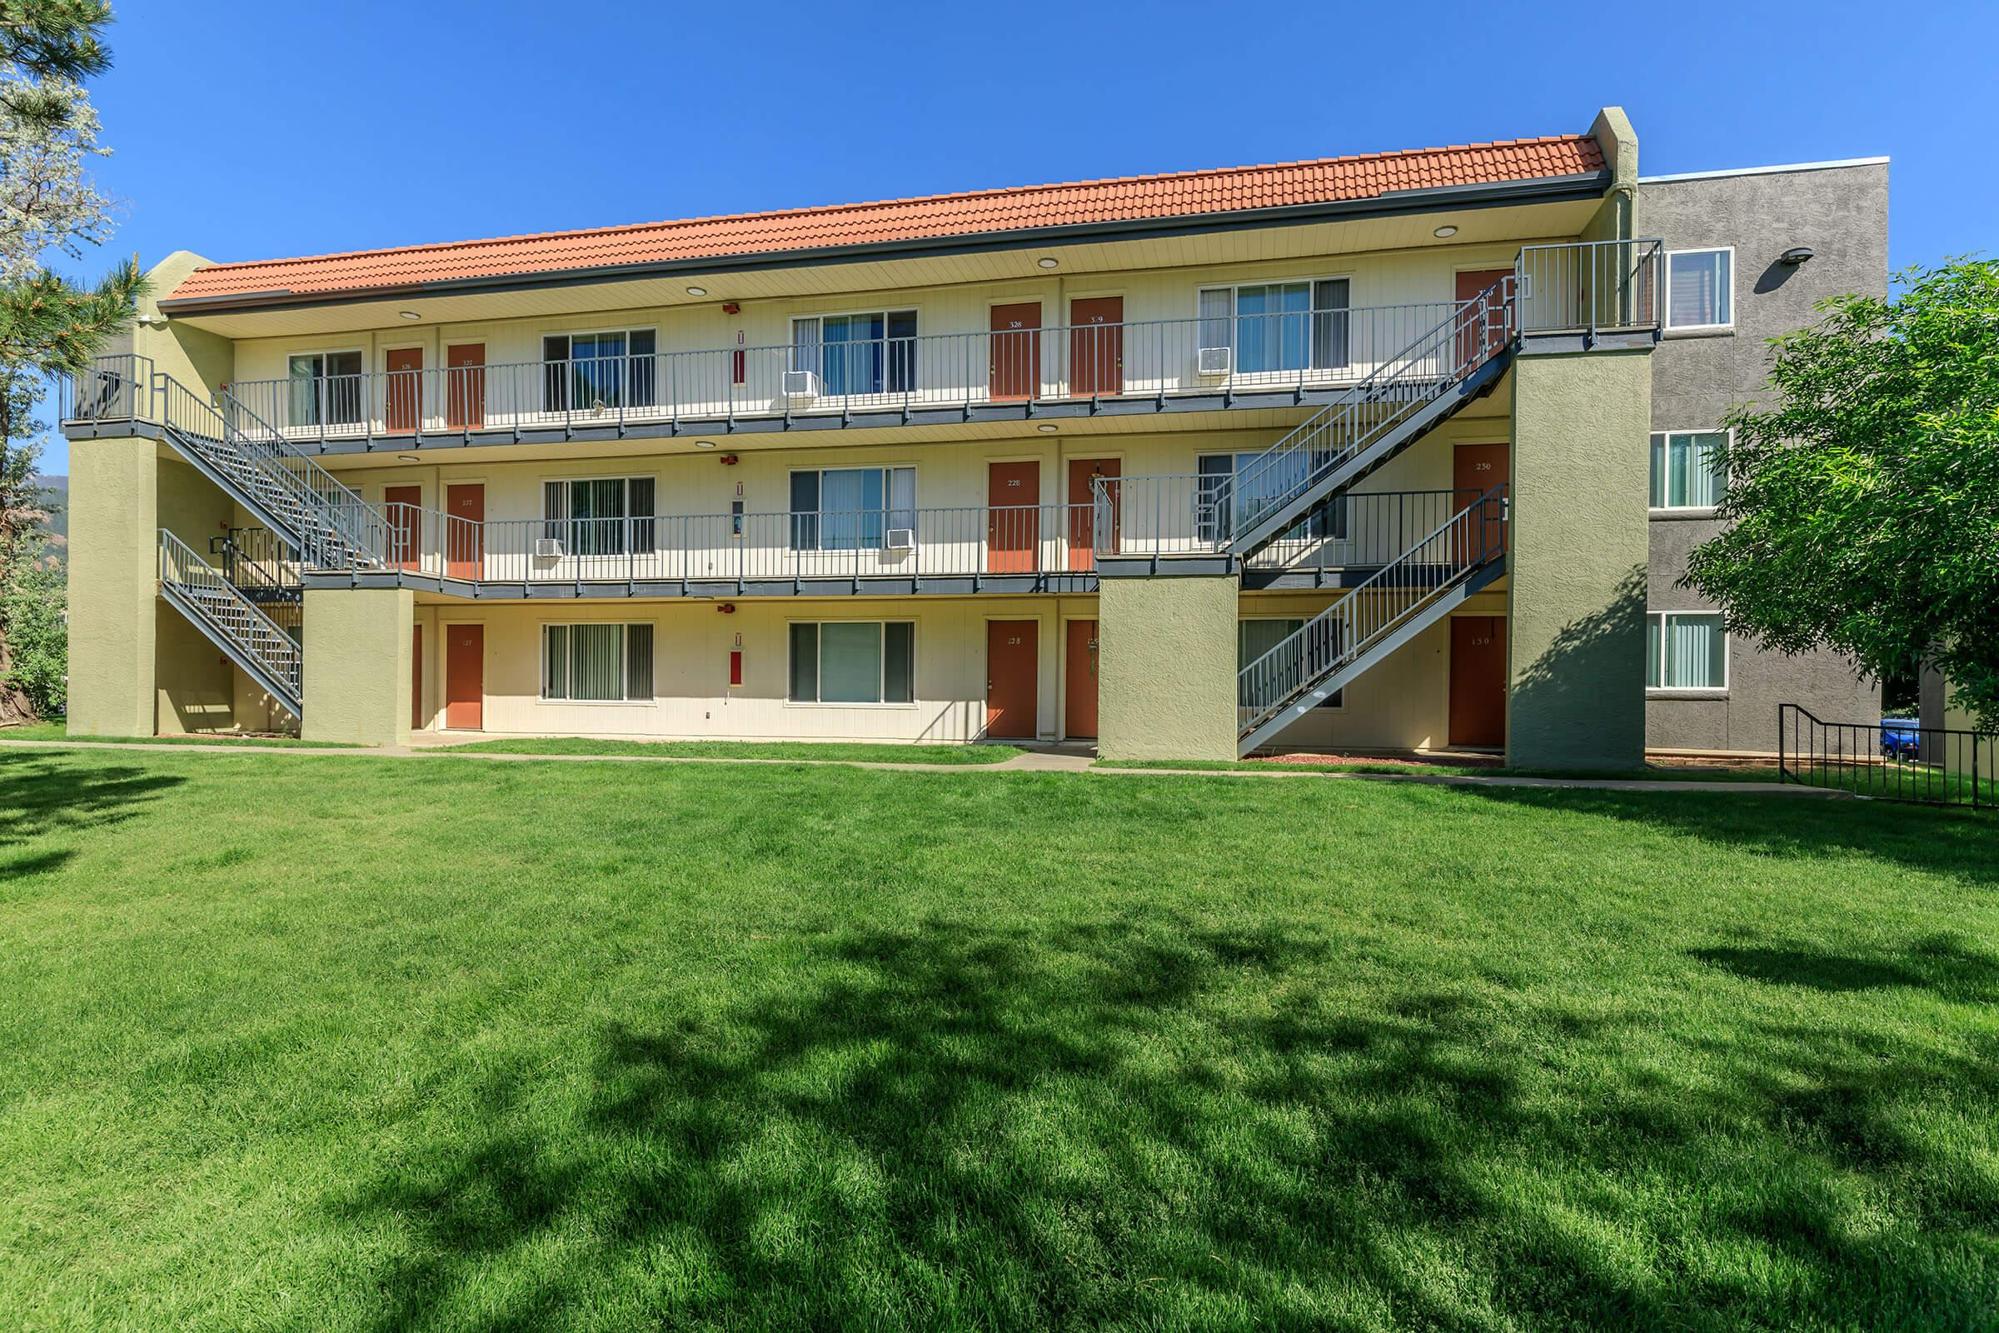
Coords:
1842,214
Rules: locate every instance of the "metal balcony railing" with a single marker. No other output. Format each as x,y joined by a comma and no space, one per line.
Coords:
1589,287
1293,351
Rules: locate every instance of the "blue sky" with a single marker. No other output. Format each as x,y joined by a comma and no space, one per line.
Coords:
247,130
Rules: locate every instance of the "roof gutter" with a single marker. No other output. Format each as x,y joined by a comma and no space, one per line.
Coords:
1550,189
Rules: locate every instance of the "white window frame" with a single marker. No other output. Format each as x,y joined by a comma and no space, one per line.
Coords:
1727,657
625,628
1235,318
626,478
1667,311
818,368
819,513
1727,434
360,377
881,672
625,385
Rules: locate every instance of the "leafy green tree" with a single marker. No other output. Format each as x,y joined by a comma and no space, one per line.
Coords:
34,655
1863,506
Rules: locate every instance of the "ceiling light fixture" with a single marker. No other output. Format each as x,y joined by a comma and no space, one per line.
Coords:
409,314
1445,232
1048,262
704,444
1046,428
697,291
408,458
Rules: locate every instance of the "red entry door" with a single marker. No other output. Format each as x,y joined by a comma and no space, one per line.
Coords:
405,390
465,386
1478,342
1079,676
1478,681
1013,517
465,677
1083,521
1096,347
416,678
1016,352
1011,685
464,535
402,503
1476,469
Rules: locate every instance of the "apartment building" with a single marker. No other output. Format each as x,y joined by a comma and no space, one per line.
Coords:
1353,452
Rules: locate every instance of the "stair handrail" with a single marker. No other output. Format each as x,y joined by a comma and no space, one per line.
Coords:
1335,637
1477,327
351,518
182,566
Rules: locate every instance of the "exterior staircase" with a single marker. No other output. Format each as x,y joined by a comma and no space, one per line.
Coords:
1397,602
268,653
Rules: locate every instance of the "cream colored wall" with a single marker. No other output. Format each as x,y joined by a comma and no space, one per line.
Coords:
113,578
201,361
691,645
357,666
1380,279
195,681
1167,662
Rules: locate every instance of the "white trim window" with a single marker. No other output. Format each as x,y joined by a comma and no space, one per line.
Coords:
609,370
1237,489
1272,327
1256,636
1685,650
850,508
599,515
1700,288
853,662
870,352
325,388
1686,469
596,663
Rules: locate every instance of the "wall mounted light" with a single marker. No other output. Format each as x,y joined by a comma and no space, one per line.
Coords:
1795,256
730,460
1048,261
1445,232
727,608
697,291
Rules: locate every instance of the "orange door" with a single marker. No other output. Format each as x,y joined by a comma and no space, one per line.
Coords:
465,677
1016,351
1011,686
402,503
1476,343
1476,469
1079,675
465,391
405,390
464,538
1082,522
1096,347
1013,518
1478,681
416,678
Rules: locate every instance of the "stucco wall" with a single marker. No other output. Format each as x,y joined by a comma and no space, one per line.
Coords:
113,578
1842,214
1168,667
1577,585
357,666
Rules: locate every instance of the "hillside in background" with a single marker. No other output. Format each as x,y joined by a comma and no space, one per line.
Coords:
58,524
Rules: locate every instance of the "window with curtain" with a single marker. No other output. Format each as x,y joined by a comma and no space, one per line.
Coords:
857,354
1278,326
596,663
851,508
1686,469
326,389
1237,489
582,372
600,515
853,662
1255,638
1699,289
1686,650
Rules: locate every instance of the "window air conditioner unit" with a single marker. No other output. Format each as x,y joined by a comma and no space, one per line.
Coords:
548,548
801,384
1215,360
900,539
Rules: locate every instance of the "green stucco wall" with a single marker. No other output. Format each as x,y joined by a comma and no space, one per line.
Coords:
1166,668
202,361
1579,550
357,665
113,579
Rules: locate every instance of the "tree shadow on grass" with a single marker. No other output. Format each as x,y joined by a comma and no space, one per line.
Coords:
1159,1123
42,796
1942,964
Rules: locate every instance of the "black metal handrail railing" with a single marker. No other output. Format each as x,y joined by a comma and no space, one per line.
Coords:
1889,760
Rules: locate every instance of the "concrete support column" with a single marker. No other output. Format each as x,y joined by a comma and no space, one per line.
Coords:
1166,667
113,580
1576,586
357,665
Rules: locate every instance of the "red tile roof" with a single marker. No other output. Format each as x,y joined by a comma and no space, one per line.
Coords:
1129,198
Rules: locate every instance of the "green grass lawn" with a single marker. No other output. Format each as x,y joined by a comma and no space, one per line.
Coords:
356,1043
55,730
1650,773
822,750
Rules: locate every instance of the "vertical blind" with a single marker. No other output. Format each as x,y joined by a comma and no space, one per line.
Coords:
861,662
1686,469
1686,651
1697,283
596,663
